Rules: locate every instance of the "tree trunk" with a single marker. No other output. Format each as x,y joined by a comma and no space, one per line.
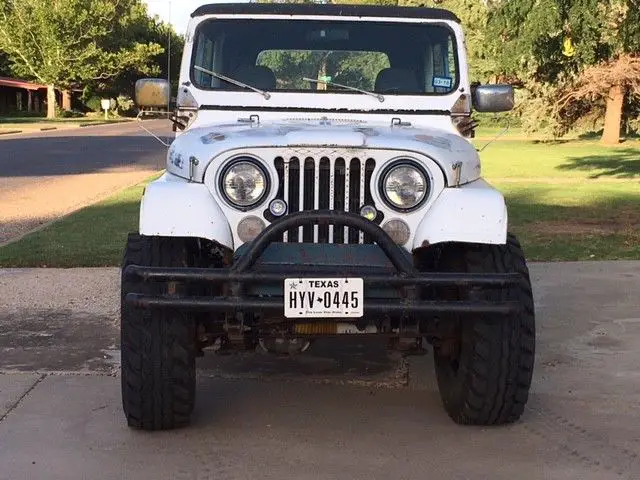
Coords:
613,116
51,101
66,100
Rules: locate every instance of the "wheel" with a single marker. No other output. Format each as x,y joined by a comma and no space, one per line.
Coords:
485,366
158,346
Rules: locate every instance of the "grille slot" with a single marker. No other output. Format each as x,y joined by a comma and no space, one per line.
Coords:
334,183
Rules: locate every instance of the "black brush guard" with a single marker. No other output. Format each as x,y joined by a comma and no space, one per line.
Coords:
243,273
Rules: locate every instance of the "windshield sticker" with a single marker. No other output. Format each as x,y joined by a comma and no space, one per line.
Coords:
446,82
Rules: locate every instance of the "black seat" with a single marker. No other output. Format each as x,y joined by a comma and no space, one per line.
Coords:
397,80
255,75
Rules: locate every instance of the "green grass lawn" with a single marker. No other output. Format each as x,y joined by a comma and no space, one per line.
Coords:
91,237
570,200
574,200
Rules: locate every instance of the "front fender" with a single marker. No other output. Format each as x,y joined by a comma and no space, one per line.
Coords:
472,213
174,207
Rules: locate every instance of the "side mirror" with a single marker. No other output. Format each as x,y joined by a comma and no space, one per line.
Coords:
153,92
493,98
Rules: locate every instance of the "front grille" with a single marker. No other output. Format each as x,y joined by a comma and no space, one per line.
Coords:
333,183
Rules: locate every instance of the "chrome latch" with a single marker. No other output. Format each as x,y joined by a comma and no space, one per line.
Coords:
193,163
457,172
253,120
397,122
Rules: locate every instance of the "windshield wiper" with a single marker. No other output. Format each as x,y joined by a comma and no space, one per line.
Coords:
347,87
224,78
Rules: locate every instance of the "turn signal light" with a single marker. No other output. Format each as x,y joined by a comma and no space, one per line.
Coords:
369,212
398,231
249,228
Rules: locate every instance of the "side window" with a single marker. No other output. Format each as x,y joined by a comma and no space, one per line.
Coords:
451,59
204,58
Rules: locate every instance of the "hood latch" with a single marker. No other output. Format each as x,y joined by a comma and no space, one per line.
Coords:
253,120
397,122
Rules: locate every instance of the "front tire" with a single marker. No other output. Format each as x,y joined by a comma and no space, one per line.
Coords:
158,345
485,376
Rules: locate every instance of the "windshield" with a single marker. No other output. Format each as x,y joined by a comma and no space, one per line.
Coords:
277,55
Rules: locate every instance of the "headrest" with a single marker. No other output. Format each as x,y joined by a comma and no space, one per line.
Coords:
397,80
256,76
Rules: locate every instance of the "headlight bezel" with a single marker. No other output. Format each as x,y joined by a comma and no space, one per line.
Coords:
404,162
254,162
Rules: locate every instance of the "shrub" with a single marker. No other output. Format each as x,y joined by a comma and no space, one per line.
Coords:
126,105
71,114
93,103
505,119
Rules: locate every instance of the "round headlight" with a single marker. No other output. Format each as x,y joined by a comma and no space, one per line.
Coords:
404,186
244,183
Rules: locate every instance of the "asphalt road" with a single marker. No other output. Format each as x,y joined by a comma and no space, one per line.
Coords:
48,174
352,412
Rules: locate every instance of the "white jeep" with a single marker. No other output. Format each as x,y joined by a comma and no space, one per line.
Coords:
320,184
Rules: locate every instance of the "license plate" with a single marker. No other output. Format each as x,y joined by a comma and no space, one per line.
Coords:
323,297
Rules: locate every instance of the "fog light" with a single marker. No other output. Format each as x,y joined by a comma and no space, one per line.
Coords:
249,228
398,231
278,207
369,212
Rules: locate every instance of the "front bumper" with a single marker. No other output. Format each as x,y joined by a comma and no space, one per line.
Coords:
248,272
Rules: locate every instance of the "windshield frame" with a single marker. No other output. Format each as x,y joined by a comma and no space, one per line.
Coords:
454,35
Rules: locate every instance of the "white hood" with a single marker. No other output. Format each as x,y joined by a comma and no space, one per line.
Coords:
206,143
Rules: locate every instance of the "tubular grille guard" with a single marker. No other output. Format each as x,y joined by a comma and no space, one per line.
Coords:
241,274
337,183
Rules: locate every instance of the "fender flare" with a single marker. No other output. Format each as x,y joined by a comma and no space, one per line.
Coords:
472,213
174,207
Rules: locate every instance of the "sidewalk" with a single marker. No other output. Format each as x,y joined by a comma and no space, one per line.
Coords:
14,128
317,416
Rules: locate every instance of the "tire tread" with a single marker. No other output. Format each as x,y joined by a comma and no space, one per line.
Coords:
158,346
491,385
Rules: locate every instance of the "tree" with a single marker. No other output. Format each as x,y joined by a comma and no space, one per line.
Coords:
473,16
4,65
610,80
67,42
555,45
139,27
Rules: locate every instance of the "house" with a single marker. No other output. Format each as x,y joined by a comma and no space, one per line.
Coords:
22,96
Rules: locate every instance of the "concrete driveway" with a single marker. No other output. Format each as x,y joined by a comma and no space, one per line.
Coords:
49,174
335,413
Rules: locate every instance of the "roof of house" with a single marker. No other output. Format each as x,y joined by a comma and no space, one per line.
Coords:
18,83
354,10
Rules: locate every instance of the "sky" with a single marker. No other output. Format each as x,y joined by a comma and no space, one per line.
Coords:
177,12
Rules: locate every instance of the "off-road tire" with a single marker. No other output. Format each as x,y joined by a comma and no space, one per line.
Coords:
488,384
158,346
